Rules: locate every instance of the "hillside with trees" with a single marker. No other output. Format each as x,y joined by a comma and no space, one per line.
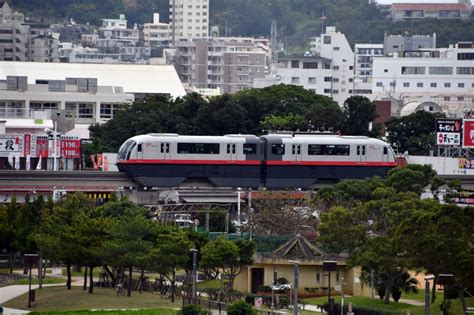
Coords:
297,20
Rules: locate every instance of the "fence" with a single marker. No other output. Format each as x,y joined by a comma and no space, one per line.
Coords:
220,306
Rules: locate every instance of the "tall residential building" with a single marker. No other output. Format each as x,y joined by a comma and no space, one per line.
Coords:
333,45
116,32
364,55
228,63
156,34
22,41
189,19
444,76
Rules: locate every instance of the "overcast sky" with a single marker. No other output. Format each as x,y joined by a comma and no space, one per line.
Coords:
417,1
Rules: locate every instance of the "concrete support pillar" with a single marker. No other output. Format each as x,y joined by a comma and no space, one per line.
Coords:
27,109
97,112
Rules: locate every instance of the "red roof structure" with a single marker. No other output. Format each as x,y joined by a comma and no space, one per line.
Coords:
430,7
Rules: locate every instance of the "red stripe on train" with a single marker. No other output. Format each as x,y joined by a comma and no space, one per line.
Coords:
331,163
194,162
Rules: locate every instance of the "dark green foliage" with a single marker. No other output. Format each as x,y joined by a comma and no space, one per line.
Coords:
193,310
248,111
414,133
358,112
241,308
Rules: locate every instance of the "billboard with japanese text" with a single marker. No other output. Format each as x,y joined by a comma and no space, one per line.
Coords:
468,133
448,131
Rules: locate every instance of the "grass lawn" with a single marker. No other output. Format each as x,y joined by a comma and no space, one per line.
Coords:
157,311
378,304
34,280
214,283
60,299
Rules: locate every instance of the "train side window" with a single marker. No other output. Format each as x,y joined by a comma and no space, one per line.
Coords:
233,149
278,149
358,150
363,150
315,149
130,151
385,150
298,149
293,149
162,148
139,148
167,148
250,149
198,148
228,149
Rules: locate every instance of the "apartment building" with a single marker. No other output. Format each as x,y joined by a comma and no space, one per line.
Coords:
400,43
22,41
444,76
408,11
314,73
189,19
364,55
228,63
157,34
116,31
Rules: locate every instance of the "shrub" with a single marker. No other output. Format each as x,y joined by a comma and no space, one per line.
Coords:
241,308
282,281
193,310
250,299
264,288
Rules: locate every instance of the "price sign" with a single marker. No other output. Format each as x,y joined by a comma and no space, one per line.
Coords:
70,148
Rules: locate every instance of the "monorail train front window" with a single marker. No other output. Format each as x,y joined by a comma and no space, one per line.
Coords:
134,144
122,153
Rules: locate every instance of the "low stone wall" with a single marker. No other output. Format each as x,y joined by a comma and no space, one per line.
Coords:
8,277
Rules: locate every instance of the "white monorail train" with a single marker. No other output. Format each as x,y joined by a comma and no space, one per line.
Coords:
274,161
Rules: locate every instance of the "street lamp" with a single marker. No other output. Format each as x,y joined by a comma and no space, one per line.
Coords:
295,285
329,265
427,293
445,280
194,251
30,260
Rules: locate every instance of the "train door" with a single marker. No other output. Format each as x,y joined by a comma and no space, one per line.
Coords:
231,151
362,153
296,152
165,150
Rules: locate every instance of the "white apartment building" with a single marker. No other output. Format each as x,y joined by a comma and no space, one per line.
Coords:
116,31
364,55
189,19
156,34
228,63
409,11
313,73
444,76
21,41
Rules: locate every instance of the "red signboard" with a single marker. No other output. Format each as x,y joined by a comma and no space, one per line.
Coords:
42,148
468,133
70,148
27,144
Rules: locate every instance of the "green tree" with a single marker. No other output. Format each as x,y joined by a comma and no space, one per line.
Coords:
414,133
229,256
8,222
359,112
131,240
171,250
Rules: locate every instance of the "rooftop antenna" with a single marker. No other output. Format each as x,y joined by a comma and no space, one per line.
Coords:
322,19
274,41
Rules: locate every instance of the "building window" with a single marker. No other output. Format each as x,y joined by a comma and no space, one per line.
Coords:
413,70
379,84
105,111
433,84
385,70
465,56
336,48
460,85
447,85
310,65
86,111
419,84
295,64
312,80
447,98
327,40
441,70
318,277
465,70
295,80
406,84
460,98
327,91
336,67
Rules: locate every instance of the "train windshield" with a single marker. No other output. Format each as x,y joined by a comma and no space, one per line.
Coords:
122,154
